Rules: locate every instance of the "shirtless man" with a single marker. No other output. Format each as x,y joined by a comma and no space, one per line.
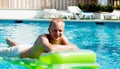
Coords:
52,42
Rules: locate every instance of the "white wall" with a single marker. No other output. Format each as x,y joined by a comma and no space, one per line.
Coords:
103,2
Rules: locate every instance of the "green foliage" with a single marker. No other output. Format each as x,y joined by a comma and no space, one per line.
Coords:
97,8
94,7
108,8
117,7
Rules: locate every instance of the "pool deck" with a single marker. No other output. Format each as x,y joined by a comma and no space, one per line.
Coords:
32,14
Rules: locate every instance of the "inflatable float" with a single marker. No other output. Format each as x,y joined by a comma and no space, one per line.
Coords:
82,59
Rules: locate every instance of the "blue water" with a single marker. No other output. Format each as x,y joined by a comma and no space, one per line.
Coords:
101,37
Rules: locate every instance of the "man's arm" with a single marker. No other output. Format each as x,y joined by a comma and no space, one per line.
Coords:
44,42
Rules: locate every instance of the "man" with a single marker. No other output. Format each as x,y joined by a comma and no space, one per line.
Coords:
52,42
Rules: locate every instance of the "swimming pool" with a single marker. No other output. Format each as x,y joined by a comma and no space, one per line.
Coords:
99,36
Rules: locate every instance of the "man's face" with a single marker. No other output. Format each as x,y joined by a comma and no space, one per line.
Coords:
56,30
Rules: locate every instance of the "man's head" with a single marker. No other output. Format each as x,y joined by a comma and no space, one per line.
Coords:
56,28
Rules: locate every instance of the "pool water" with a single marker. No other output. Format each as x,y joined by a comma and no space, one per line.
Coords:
101,37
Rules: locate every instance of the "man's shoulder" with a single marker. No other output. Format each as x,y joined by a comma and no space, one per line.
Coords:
63,36
43,35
